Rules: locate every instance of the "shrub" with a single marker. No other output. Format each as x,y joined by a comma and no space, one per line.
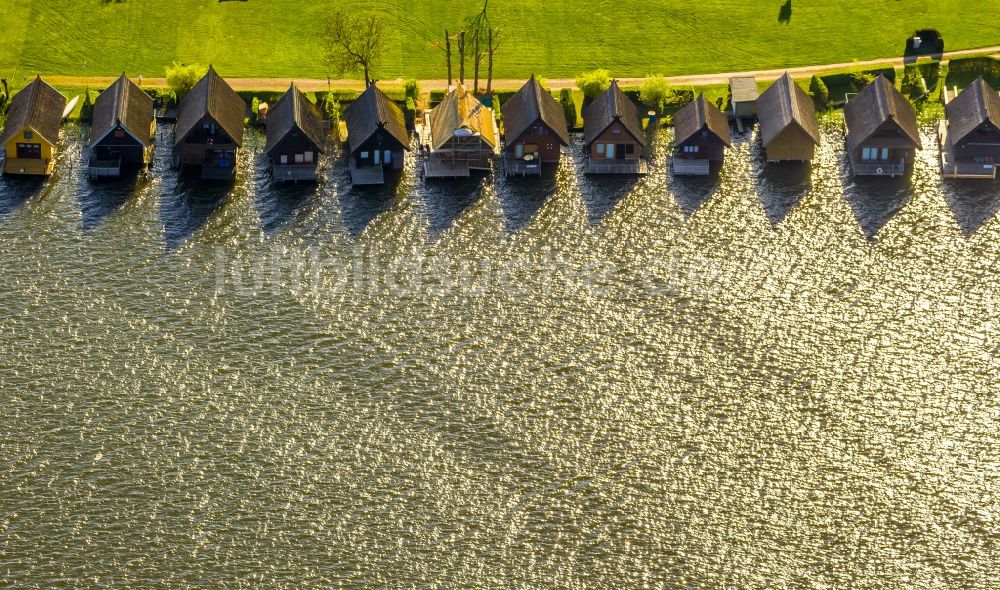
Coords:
331,107
819,91
87,108
255,110
655,92
181,78
593,83
913,83
411,89
569,106
861,79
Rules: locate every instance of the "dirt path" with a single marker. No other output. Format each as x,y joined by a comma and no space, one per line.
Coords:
317,85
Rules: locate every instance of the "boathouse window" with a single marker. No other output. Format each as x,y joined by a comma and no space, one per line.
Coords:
690,149
29,134
869,153
630,148
600,149
300,158
885,153
364,155
309,157
31,151
284,158
119,133
519,150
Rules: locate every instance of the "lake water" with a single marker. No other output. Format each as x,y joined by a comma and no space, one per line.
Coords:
775,378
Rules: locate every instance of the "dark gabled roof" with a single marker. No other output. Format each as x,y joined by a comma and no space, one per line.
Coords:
37,106
977,104
743,89
371,111
697,115
125,103
461,110
294,111
876,104
212,96
529,104
607,108
785,104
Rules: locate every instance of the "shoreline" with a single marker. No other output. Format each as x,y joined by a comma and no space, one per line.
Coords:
321,85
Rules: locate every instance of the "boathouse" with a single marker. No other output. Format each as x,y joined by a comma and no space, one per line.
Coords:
209,128
970,133
743,96
613,135
534,129
701,136
376,136
461,135
882,132
32,130
295,137
123,130
789,130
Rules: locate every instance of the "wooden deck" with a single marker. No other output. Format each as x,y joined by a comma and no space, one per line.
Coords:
446,169
104,168
212,172
28,166
952,168
293,173
637,166
518,167
367,176
691,166
892,170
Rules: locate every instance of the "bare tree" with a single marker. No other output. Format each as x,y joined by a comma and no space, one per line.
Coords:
479,29
355,43
491,47
461,57
445,47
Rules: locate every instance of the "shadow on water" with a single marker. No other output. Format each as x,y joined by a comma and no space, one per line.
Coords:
187,206
972,202
361,205
781,187
521,198
446,199
602,192
692,192
875,200
99,200
277,203
16,191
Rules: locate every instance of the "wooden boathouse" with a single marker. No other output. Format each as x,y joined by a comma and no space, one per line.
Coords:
460,135
376,136
789,130
970,133
295,137
613,135
535,130
882,132
743,96
701,136
209,128
32,130
122,131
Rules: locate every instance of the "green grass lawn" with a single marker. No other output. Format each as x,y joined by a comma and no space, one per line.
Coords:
557,38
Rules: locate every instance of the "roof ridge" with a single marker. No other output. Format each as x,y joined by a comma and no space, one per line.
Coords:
985,104
788,99
33,92
122,97
295,105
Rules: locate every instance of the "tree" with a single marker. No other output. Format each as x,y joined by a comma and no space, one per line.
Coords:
461,57
593,83
181,78
655,92
445,48
355,43
569,106
817,87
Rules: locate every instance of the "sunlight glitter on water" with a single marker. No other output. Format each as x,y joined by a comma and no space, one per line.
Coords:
776,378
